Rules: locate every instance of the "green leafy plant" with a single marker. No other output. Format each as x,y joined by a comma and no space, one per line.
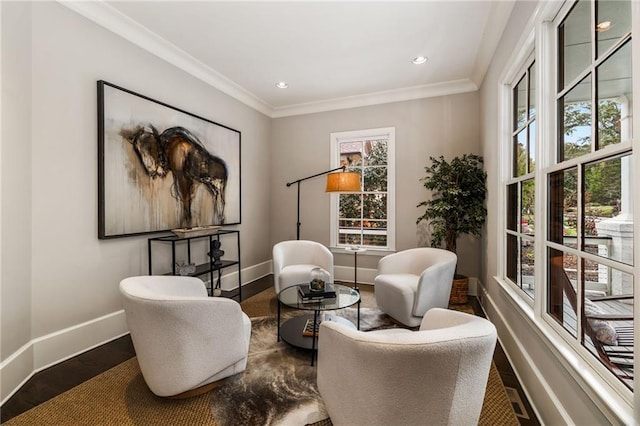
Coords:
457,205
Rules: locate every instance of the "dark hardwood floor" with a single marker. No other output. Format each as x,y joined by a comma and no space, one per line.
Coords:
55,380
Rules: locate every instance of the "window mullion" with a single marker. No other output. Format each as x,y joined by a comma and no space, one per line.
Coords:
547,152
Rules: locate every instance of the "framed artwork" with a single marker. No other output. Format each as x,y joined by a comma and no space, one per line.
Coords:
162,168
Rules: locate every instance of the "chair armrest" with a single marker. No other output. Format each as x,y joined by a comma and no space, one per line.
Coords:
613,297
611,317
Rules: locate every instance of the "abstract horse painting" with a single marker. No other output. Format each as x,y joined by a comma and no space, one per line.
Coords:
162,168
179,151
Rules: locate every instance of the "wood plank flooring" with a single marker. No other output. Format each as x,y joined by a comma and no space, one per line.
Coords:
68,374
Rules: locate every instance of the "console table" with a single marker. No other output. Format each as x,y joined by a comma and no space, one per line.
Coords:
204,268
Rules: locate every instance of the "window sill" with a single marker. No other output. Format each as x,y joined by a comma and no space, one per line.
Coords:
614,400
369,252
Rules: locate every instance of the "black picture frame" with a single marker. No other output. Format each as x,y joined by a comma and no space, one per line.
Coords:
162,168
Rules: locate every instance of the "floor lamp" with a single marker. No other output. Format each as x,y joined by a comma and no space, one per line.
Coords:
336,182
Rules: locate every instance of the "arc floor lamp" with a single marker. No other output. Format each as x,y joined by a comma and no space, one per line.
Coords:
336,182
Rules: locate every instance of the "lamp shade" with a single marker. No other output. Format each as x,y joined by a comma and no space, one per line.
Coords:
343,182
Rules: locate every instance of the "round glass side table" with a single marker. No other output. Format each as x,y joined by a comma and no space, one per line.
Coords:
293,332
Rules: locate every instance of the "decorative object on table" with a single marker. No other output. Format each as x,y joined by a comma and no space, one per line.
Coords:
154,176
319,278
185,268
457,206
355,250
196,231
193,248
306,294
216,253
336,182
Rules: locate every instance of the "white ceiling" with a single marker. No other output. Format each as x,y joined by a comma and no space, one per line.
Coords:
332,54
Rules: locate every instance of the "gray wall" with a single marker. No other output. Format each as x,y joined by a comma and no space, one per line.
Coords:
15,188
59,282
447,125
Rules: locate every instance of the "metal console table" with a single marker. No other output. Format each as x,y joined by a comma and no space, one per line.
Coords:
204,268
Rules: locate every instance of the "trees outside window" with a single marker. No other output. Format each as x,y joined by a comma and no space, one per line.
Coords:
366,218
521,224
581,242
589,236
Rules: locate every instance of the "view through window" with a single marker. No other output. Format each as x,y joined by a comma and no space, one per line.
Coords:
366,218
589,238
520,253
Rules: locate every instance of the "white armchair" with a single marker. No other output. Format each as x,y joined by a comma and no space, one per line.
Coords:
294,260
411,282
437,375
184,340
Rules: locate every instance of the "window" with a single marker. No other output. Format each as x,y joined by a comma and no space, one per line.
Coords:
589,235
520,225
573,261
366,218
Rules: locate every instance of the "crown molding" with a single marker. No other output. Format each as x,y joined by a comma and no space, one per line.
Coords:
498,18
113,20
376,98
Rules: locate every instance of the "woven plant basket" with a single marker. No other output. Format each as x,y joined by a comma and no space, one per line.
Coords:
459,290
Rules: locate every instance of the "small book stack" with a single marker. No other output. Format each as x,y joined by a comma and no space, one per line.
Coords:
308,325
308,296
308,328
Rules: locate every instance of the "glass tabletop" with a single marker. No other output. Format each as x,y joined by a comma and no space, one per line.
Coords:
345,297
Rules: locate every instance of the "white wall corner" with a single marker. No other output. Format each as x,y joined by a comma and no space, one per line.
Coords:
544,402
46,351
15,371
494,27
113,20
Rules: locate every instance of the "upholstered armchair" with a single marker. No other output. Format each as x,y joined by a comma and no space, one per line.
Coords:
294,260
437,375
411,282
184,340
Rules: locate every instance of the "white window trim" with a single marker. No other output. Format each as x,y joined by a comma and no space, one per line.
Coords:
520,61
594,378
390,134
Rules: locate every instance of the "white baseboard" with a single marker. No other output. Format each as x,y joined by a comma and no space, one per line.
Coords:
346,273
53,348
229,281
549,400
45,351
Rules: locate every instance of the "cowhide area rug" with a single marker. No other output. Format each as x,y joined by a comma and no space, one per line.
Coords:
279,385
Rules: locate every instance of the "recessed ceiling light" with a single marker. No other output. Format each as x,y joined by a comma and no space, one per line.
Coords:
419,60
282,85
603,26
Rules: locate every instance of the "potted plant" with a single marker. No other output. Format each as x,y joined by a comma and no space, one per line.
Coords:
457,206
